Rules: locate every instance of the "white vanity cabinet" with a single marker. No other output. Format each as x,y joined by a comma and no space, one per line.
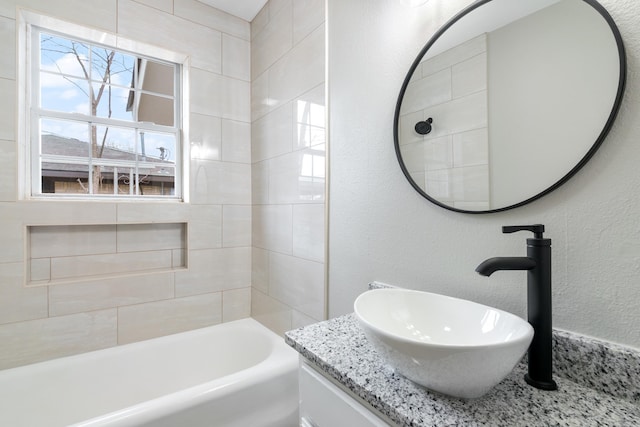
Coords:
323,404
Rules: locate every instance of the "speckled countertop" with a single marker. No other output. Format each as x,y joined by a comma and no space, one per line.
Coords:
609,396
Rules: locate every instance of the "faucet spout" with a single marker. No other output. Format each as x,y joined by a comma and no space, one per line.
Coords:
537,263
491,265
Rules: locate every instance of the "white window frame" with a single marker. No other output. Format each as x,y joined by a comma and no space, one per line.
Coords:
30,24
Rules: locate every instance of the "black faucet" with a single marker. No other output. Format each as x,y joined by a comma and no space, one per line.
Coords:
538,266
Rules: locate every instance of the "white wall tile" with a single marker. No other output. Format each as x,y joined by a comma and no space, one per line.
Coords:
213,270
272,227
309,115
7,109
145,212
260,269
205,133
42,339
179,258
260,21
163,5
270,312
438,153
8,47
154,319
272,135
420,179
196,11
273,41
469,76
8,172
459,115
284,178
260,102
150,237
299,320
220,96
426,92
307,16
406,127
205,227
201,277
236,226
308,231
220,183
17,302
439,184
275,6
298,177
141,23
13,239
236,304
298,283
300,70
471,183
236,141
59,213
288,151
471,148
455,55
260,183
73,267
109,293
413,156
311,107
39,269
236,57
100,15
69,240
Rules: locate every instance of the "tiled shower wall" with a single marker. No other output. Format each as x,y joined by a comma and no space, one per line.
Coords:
288,163
451,162
46,321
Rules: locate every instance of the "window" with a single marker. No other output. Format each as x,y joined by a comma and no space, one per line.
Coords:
103,121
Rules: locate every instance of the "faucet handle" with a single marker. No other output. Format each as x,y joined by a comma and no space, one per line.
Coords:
537,229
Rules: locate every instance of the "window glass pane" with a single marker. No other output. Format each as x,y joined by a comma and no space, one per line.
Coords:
65,152
66,94
64,138
112,102
111,67
155,109
158,165
100,155
156,77
115,143
158,147
64,56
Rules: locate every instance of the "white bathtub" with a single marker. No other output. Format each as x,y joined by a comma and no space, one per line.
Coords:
234,374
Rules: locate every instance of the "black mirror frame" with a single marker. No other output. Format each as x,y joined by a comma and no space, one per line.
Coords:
601,137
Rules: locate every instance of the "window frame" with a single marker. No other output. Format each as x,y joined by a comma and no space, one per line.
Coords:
30,26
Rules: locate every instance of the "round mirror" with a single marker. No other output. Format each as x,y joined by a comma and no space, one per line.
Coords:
507,101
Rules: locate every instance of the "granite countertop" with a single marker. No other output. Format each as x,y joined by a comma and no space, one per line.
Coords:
339,348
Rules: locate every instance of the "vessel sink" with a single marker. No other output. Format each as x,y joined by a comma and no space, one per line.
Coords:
448,345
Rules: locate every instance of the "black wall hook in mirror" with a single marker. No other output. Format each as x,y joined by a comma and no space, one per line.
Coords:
424,127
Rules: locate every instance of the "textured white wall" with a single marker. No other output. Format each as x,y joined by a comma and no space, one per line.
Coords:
381,229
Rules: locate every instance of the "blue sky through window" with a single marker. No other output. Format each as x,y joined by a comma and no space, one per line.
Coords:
77,77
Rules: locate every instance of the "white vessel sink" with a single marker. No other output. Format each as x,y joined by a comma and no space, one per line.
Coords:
449,345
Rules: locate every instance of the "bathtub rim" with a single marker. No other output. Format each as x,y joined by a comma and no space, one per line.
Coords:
279,362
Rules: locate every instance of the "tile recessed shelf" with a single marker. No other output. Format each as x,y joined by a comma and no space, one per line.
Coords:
71,253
